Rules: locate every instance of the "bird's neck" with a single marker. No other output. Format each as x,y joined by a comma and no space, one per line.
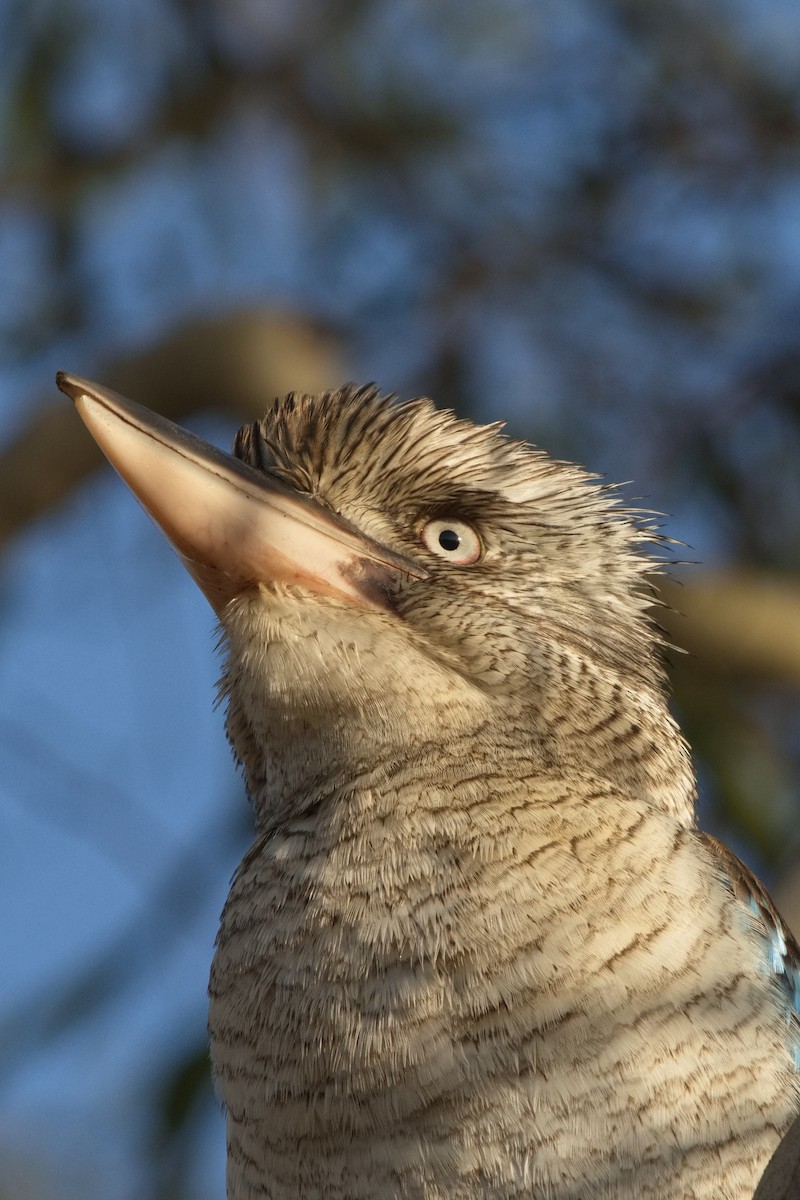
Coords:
300,761
598,715
633,743
312,716
304,764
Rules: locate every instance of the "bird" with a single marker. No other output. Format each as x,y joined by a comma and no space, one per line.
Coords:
479,946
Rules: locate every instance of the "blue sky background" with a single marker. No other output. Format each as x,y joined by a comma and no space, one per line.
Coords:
578,215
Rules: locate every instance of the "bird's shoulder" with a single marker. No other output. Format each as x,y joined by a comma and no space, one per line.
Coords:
781,948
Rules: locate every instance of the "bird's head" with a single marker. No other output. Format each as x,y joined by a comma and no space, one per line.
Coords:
391,580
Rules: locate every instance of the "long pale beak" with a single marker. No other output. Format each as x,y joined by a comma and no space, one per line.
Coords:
234,527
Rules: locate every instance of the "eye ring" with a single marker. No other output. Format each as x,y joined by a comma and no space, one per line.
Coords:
454,541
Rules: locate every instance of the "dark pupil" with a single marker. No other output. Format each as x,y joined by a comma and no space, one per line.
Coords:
449,539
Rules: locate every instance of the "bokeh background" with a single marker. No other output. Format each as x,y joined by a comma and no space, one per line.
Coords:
582,216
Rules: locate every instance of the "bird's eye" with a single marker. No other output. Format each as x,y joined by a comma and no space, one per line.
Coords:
453,540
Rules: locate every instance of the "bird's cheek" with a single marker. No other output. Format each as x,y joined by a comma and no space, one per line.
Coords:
464,637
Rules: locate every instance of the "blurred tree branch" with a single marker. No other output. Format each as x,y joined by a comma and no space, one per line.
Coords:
737,621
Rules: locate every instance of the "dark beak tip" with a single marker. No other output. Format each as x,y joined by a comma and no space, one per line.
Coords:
70,385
